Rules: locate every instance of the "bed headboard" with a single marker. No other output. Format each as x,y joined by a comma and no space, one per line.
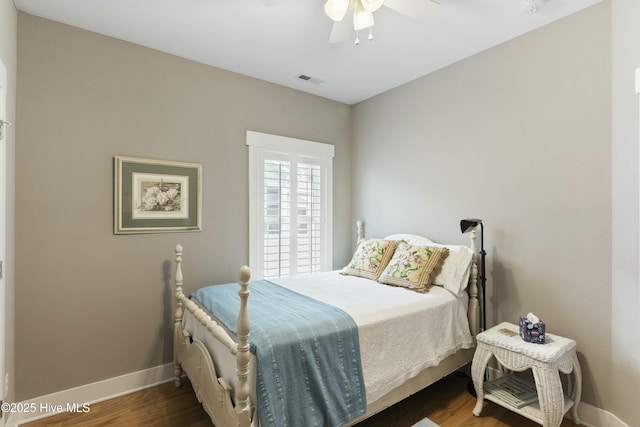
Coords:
473,311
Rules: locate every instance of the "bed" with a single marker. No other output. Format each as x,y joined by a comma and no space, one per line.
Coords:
400,346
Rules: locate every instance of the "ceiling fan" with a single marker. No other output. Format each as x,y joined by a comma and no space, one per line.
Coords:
362,12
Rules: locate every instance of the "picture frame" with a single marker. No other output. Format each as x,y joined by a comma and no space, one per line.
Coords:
156,196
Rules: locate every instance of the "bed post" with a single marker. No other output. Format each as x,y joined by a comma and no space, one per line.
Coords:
177,324
243,408
474,315
359,231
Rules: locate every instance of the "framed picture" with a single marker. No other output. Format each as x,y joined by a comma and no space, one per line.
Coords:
156,196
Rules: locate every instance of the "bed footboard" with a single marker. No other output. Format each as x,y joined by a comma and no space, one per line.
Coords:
192,357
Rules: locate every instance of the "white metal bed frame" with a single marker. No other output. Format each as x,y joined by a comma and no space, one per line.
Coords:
192,357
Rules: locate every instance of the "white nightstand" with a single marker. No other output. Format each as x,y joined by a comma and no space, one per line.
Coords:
547,360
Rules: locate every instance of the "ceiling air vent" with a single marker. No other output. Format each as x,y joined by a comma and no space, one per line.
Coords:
309,79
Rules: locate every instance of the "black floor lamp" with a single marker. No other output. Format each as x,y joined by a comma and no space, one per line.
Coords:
467,225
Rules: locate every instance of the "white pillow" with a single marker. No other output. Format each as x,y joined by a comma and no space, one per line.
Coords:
456,269
412,239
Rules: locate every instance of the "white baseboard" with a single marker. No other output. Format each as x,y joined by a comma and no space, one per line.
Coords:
52,404
591,416
10,421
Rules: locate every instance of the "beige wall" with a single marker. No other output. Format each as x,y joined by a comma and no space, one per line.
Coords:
91,305
626,275
520,136
8,56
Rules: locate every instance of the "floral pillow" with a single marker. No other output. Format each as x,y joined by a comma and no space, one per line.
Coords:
371,258
414,267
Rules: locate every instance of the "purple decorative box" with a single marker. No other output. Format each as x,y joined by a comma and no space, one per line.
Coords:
532,332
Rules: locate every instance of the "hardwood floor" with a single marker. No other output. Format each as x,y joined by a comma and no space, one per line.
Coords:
446,403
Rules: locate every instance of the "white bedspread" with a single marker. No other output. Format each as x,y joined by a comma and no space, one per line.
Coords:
401,332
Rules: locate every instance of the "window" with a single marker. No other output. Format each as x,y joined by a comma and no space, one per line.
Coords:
290,209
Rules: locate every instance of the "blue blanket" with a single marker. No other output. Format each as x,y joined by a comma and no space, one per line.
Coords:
307,352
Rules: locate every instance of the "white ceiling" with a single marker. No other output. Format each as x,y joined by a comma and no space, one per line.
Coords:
276,40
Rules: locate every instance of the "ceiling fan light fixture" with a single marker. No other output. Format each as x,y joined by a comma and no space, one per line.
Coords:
336,9
371,5
363,10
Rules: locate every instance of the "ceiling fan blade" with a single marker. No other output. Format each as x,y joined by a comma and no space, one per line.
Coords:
416,9
340,31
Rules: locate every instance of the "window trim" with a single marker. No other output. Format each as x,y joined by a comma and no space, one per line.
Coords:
261,145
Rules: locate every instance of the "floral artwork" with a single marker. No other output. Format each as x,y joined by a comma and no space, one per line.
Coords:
154,196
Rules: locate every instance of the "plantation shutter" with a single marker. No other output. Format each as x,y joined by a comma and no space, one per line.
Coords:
277,218
290,211
308,218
